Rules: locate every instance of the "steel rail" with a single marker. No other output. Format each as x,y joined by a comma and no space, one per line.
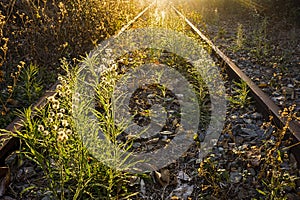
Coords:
11,143
263,102
124,28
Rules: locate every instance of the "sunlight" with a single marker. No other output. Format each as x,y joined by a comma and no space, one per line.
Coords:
255,5
158,3
160,16
251,4
162,3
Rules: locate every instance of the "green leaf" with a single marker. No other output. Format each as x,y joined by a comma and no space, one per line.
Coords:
261,192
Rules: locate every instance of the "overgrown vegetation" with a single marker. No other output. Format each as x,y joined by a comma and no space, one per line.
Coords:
40,33
36,35
253,43
71,169
51,140
275,179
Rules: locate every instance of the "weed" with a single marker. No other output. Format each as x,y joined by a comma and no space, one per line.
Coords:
240,37
260,40
274,179
7,98
213,176
31,87
240,98
7,93
43,32
273,175
70,170
3,46
221,32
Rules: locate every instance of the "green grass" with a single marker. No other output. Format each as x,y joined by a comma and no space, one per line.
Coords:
240,95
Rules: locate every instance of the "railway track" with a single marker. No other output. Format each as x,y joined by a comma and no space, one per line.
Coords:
263,103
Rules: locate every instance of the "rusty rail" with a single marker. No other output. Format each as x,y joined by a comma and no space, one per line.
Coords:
10,143
263,102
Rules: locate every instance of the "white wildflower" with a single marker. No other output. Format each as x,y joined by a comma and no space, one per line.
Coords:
40,128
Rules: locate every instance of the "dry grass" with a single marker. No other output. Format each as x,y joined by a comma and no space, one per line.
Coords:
41,32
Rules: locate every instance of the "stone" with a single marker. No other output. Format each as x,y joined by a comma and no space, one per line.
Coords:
183,191
252,171
143,187
235,177
167,133
136,145
183,176
256,115
249,132
249,121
